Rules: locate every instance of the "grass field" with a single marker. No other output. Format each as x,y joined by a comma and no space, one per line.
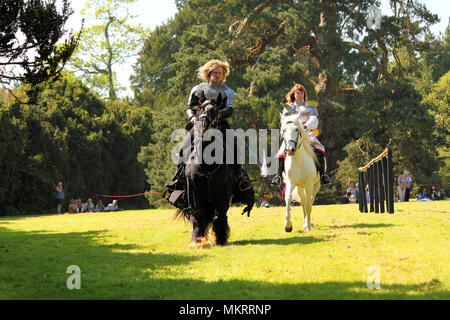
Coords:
144,255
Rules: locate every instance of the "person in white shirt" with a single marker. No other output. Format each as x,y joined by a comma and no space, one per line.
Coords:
298,103
112,206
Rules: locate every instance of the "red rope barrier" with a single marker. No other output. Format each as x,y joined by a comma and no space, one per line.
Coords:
129,196
431,184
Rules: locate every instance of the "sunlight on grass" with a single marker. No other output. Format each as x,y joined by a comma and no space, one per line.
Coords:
144,255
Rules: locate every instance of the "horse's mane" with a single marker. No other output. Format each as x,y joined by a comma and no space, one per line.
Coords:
303,135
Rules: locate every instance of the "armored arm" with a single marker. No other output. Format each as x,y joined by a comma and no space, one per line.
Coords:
193,103
312,122
225,112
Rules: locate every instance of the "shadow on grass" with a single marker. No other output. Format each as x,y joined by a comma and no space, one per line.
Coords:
34,266
363,225
284,241
260,290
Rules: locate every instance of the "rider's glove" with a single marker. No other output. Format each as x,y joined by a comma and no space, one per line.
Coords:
213,112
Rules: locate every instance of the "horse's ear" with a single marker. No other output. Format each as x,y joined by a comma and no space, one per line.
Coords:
202,97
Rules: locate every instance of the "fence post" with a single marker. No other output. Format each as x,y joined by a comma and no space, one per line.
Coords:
376,191
360,187
390,182
371,194
365,177
384,167
380,186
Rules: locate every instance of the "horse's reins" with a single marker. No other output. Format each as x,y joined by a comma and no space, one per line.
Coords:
296,145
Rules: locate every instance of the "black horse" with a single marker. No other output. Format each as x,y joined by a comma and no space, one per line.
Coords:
210,187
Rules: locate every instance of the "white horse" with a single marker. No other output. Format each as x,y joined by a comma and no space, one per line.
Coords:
300,173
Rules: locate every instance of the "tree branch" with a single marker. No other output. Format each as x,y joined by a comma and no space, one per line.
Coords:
382,69
243,24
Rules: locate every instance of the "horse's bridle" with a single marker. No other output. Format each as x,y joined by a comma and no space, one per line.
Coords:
296,145
204,115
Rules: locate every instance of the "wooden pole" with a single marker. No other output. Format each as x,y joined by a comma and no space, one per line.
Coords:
390,182
360,182
364,198
371,189
376,189
385,181
380,186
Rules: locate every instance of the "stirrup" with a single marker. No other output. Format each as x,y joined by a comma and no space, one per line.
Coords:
325,179
172,185
276,181
244,184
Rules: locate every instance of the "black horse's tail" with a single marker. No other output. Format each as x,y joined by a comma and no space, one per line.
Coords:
183,214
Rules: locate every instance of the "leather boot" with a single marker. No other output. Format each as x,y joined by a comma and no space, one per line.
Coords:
324,178
177,179
276,181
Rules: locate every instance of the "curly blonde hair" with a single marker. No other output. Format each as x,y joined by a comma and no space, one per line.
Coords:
290,97
204,72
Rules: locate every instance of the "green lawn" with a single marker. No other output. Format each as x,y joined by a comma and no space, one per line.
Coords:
144,255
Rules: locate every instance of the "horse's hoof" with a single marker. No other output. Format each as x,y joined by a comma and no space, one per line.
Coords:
288,229
199,244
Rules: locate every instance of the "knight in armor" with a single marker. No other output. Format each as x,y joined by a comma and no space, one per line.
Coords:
214,74
298,103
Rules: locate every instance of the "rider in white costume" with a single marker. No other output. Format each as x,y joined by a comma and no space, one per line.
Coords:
310,119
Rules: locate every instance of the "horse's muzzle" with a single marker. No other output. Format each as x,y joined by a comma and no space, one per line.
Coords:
291,146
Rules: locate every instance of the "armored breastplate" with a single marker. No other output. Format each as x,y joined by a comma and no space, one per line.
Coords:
212,92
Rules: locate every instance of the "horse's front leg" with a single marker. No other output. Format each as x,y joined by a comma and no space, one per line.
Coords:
307,208
288,198
198,239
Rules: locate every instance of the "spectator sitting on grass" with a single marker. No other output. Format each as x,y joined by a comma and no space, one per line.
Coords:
78,206
422,196
352,188
71,206
346,198
89,206
112,206
100,207
435,193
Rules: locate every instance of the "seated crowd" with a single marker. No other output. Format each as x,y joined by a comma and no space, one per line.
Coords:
77,206
352,195
434,195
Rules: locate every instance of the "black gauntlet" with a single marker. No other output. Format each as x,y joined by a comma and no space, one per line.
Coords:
225,112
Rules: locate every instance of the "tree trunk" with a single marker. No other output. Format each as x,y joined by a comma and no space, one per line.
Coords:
327,89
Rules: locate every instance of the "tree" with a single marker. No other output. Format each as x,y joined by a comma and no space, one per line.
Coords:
29,41
322,35
72,135
439,98
438,57
355,71
156,156
106,45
